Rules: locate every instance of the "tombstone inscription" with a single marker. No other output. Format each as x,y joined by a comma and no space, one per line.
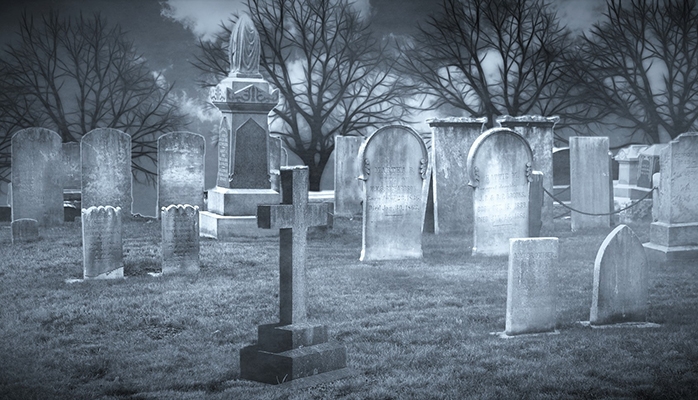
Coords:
102,245
532,286
180,238
293,348
106,169
499,168
37,176
394,163
181,169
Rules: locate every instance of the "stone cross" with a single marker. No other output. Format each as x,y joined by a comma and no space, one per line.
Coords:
293,217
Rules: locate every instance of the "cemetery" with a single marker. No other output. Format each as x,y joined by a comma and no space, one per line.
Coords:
484,262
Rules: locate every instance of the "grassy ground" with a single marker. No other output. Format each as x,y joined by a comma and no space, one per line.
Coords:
412,329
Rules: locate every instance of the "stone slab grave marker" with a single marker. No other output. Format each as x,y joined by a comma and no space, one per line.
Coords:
499,168
347,187
181,169
102,245
453,198
648,165
675,233
628,170
620,290
532,286
394,164
243,181
180,238
538,132
591,182
561,173
293,348
106,169
275,156
25,230
37,176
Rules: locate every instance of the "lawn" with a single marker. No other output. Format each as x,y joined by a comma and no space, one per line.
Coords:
412,329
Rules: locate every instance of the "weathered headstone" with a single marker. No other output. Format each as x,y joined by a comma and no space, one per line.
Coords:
648,165
181,169
293,348
532,286
620,279
591,185
628,169
453,199
37,176
275,162
538,132
25,230
561,173
347,188
535,204
106,169
102,246
180,238
675,233
394,164
243,180
499,167
71,162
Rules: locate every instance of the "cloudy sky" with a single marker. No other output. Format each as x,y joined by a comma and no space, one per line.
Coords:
166,33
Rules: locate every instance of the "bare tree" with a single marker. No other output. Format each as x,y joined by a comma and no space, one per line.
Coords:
489,58
330,70
75,75
638,69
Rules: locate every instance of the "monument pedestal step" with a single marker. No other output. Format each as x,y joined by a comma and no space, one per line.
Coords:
217,226
659,253
275,368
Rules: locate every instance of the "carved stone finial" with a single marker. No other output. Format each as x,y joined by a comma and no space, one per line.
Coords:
244,48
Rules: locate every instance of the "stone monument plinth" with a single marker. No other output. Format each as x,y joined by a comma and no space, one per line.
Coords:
243,181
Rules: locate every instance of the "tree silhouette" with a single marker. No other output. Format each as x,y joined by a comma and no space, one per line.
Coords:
330,70
73,75
489,58
638,69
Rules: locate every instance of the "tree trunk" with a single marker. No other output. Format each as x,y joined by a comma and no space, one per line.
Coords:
315,172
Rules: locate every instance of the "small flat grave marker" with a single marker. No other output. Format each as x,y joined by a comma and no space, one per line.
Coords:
102,246
293,348
180,238
25,230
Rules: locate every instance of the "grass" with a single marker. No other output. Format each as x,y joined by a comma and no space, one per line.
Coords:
412,329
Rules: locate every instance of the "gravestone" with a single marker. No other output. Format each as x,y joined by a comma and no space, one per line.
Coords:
180,238
243,180
37,176
347,188
532,286
591,184
275,162
106,169
620,279
535,204
499,168
648,165
394,163
102,247
453,199
561,173
25,230
538,132
675,233
71,162
628,169
181,169
294,348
